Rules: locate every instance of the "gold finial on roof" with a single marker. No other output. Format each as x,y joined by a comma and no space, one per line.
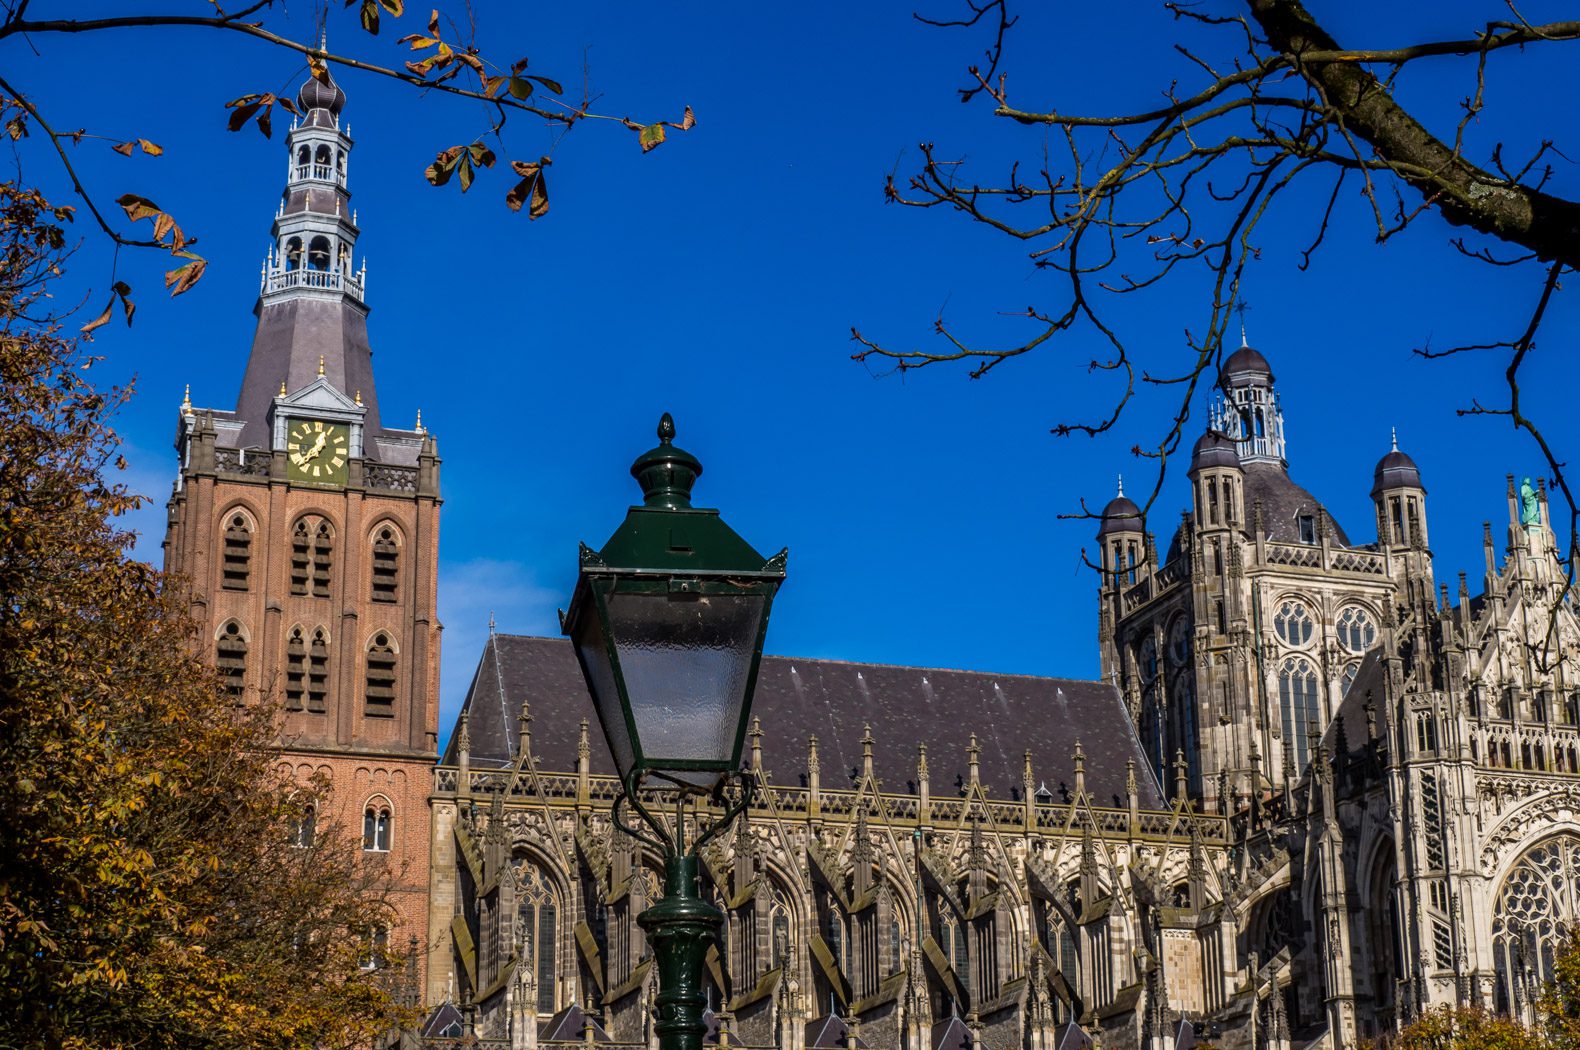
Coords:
186,398
359,397
420,430
282,388
320,364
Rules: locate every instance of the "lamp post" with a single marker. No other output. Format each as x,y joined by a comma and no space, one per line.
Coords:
668,620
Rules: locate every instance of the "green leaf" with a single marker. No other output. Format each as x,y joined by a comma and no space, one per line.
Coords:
370,16
652,136
520,87
466,172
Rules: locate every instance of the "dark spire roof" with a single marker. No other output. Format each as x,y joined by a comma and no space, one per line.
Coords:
1396,471
1121,514
321,94
1248,363
834,699
1213,449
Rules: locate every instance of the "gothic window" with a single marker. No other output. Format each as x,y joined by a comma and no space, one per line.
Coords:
1218,615
318,253
237,555
323,559
312,557
537,920
1212,501
1179,643
1132,559
1357,633
1308,528
1297,702
1152,728
318,672
304,828
896,949
1572,708
1348,677
375,951
1147,659
230,656
295,669
1398,519
376,824
1217,557
1293,623
838,942
1182,725
1537,905
381,676
1228,502
386,555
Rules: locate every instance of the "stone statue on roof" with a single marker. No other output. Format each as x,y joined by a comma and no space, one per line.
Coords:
1530,508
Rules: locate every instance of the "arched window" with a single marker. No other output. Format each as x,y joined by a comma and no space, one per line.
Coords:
293,253
304,155
386,565
1297,703
1537,905
1357,633
537,924
838,942
312,557
318,672
1293,623
375,954
340,161
230,656
304,828
381,676
295,669
322,156
1179,643
377,823
1147,660
237,560
318,253
1182,726
1228,502
1348,677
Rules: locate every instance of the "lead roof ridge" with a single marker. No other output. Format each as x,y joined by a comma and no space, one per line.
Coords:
863,663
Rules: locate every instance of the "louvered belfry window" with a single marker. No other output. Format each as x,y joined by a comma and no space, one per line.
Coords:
295,670
386,566
230,653
323,559
381,676
300,554
237,558
318,672
312,557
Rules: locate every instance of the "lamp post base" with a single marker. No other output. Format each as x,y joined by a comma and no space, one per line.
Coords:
680,927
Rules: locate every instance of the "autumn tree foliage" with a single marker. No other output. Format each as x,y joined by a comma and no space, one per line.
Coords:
159,884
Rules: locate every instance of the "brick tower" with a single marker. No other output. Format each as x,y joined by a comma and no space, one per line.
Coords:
308,530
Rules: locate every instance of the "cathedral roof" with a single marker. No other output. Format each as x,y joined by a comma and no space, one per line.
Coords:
1248,363
835,700
1121,515
1213,449
1396,471
1283,504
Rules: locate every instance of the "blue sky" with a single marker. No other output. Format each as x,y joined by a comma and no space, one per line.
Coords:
718,278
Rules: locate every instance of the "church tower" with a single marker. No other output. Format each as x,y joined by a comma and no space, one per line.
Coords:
307,530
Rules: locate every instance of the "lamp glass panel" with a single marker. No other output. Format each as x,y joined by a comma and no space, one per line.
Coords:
686,659
594,656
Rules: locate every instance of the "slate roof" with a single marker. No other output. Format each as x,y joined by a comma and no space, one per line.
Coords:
569,1025
952,1034
1071,1037
1283,502
443,1016
834,699
829,1031
292,334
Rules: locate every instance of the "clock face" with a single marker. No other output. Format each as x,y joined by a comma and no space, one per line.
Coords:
316,452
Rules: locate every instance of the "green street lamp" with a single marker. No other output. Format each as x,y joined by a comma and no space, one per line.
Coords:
668,622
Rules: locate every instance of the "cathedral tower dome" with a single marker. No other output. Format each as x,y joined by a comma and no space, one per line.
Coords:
321,94
1213,449
1120,515
1401,500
